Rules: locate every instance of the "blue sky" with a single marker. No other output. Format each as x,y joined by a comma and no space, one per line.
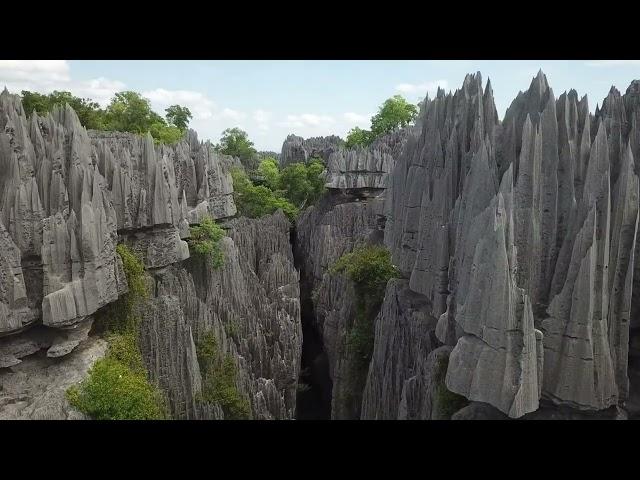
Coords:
270,99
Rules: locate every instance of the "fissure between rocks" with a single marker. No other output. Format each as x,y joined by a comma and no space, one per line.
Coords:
314,384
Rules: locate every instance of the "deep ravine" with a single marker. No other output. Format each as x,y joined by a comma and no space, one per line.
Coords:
313,400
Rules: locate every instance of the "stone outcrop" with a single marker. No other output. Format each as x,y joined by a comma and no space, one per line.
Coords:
36,389
66,193
521,236
324,233
359,168
299,150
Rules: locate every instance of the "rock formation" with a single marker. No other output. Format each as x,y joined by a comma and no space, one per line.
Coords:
68,196
521,237
516,242
299,150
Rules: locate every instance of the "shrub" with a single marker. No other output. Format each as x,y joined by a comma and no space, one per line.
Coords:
369,267
232,329
112,391
255,201
447,402
219,379
205,241
117,387
269,172
124,348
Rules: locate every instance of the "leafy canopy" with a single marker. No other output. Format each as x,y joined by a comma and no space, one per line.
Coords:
394,113
127,112
178,116
269,173
357,136
303,184
255,201
235,142
88,111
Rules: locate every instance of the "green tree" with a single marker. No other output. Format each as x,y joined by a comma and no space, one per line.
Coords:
163,133
235,142
358,136
88,111
219,379
131,112
269,171
178,116
303,184
394,113
255,201
316,178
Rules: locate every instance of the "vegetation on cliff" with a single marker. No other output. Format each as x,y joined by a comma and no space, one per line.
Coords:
291,189
394,113
205,241
447,402
369,267
219,379
235,142
117,387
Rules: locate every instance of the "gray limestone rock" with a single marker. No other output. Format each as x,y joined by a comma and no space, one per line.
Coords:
36,389
298,150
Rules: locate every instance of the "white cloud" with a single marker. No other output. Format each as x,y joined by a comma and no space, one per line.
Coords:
308,120
100,89
40,72
45,76
612,63
422,88
234,115
356,118
198,103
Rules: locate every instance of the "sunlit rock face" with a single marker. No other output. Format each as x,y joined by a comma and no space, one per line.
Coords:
521,235
67,197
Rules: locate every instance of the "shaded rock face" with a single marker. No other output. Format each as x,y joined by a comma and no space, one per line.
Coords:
251,304
324,233
399,384
521,237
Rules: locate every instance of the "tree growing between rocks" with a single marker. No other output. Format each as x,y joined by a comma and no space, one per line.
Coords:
394,113
235,142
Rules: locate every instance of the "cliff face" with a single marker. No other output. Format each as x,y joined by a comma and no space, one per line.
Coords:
517,246
67,196
251,304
